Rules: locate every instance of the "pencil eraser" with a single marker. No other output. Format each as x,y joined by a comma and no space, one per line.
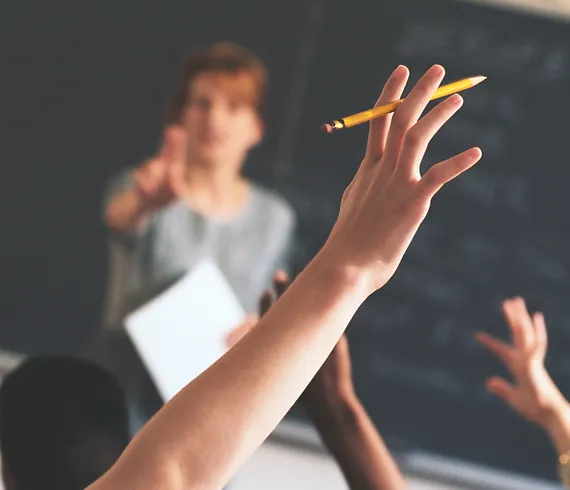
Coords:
327,128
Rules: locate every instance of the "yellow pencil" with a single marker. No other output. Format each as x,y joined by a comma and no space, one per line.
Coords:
365,116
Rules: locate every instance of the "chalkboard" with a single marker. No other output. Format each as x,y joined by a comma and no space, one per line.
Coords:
82,91
500,230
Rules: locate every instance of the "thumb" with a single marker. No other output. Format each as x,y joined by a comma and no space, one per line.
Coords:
502,389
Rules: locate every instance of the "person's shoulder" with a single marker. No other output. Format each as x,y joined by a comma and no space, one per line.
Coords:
271,202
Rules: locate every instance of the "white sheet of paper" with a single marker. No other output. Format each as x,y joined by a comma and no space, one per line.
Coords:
181,332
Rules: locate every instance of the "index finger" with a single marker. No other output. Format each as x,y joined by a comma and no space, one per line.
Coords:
411,109
379,127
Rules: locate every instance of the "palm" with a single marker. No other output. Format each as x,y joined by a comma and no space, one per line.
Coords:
400,220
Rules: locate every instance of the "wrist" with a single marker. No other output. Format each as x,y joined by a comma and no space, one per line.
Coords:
556,423
345,400
329,392
340,406
349,277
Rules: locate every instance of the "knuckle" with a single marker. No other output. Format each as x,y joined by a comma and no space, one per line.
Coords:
399,119
415,135
346,193
432,176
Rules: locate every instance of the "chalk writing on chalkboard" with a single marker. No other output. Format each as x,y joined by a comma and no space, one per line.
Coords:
514,54
502,229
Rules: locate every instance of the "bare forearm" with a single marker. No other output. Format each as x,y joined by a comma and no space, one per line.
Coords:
557,426
203,435
126,212
350,436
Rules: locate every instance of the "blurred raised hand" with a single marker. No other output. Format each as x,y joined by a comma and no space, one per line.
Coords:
156,183
160,180
532,393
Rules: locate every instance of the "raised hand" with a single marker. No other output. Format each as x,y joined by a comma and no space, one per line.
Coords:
160,180
388,198
533,394
205,433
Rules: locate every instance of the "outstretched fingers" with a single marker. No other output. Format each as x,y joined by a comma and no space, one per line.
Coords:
410,111
419,136
501,350
444,172
501,388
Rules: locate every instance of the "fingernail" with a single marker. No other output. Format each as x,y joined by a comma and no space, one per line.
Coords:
477,152
436,71
455,99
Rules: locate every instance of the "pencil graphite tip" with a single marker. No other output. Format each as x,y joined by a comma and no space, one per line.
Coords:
477,80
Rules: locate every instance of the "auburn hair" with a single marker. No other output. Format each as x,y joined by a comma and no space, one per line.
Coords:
226,59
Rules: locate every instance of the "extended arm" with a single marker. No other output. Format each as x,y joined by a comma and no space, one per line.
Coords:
202,436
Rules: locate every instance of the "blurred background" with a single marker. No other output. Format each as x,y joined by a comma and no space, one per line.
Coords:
82,89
